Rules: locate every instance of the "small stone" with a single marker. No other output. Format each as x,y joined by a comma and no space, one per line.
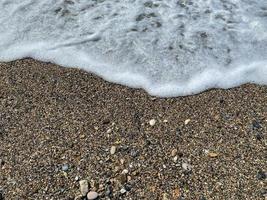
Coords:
106,121
1,162
123,191
129,178
165,196
256,124
65,167
82,136
92,195
109,131
175,158
187,121
165,120
84,187
127,187
176,193
113,150
259,136
76,178
108,190
174,152
186,167
122,178
152,122
261,175
79,197
125,171
217,117
134,153
212,155
1,195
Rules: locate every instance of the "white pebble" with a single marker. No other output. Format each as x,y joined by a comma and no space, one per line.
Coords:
187,121
186,166
92,195
113,150
123,191
84,187
152,122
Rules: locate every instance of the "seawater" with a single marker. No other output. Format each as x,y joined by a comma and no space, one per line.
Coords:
167,47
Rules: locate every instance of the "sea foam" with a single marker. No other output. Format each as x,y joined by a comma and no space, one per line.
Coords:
167,47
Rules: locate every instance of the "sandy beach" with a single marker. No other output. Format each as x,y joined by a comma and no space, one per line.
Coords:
59,126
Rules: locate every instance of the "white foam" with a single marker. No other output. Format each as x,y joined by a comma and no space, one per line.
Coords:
167,47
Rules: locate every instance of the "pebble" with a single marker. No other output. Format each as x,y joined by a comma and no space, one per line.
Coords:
79,197
165,196
108,191
186,167
92,195
113,150
65,167
123,191
175,158
256,124
127,187
261,175
122,178
212,155
187,121
174,152
125,171
84,187
1,195
152,122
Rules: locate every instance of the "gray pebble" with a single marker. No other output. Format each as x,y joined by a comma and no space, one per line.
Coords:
92,195
65,167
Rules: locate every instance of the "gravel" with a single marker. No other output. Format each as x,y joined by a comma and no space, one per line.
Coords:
51,115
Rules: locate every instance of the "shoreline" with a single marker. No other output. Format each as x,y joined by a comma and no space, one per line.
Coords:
206,146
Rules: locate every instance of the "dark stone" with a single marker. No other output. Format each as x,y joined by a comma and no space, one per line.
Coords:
256,124
106,121
127,187
109,191
261,175
2,195
259,136
203,35
134,153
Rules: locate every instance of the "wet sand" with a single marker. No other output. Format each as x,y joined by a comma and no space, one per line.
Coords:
57,126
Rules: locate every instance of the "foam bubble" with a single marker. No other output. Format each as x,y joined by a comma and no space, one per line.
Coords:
169,48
